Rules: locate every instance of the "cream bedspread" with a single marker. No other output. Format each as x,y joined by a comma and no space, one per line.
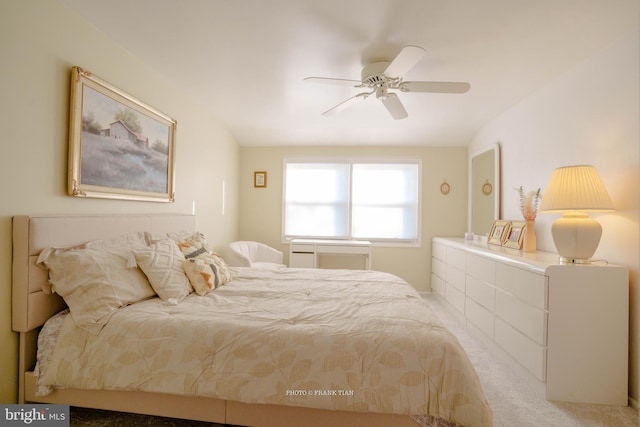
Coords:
329,339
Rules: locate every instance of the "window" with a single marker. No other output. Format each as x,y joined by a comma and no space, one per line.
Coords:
344,199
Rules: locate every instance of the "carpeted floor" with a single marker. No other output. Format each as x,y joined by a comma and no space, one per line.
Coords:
514,402
97,418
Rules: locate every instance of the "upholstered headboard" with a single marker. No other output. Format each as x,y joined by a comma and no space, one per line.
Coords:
32,307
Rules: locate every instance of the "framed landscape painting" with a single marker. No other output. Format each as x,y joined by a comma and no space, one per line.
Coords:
119,147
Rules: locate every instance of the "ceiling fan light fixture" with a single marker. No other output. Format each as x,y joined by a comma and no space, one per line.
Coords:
382,93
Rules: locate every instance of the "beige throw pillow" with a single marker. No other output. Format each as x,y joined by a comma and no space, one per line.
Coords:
161,262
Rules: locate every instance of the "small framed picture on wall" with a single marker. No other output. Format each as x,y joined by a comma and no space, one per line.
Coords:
260,179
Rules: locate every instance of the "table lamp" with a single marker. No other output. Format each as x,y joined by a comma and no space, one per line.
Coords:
575,190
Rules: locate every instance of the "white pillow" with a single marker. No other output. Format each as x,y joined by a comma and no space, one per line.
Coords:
161,262
94,282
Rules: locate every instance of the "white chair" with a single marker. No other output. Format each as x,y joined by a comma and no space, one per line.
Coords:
255,254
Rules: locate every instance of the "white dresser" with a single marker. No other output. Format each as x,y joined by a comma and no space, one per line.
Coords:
563,327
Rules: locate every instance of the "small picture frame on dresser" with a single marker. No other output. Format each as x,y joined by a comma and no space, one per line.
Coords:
515,236
499,231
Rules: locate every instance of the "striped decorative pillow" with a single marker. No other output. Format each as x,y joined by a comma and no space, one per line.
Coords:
205,269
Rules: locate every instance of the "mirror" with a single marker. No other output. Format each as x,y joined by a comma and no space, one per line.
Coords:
484,190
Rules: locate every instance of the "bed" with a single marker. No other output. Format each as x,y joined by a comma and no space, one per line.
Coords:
313,364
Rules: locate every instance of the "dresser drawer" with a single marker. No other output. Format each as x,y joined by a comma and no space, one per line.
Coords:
527,286
479,316
439,251
456,257
297,247
455,298
438,267
437,285
455,277
481,268
529,354
525,318
482,292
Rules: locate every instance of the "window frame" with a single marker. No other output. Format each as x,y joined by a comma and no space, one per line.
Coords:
351,160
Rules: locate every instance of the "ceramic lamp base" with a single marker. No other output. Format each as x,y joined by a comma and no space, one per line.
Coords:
576,237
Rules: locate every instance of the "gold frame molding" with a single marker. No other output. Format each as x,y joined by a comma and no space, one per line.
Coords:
110,159
260,179
499,231
515,237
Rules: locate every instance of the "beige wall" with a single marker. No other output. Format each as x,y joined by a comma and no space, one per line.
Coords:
40,41
261,208
589,115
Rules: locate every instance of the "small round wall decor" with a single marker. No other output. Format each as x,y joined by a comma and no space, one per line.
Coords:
445,188
487,188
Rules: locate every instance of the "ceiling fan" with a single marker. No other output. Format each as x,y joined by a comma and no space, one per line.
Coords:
380,77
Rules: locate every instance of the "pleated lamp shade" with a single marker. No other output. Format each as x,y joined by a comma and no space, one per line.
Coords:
574,190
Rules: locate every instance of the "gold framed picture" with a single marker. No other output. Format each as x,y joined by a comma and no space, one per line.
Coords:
260,179
515,236
499,231
119,147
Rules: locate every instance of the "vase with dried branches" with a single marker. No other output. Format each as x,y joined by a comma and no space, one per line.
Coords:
529,202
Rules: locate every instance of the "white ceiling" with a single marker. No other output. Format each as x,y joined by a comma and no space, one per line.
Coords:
245,59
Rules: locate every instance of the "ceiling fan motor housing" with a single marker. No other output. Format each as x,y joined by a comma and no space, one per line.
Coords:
373,74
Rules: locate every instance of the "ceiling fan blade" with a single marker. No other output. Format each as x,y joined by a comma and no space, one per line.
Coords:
331,81
346,104
435,87
394,106
404,61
